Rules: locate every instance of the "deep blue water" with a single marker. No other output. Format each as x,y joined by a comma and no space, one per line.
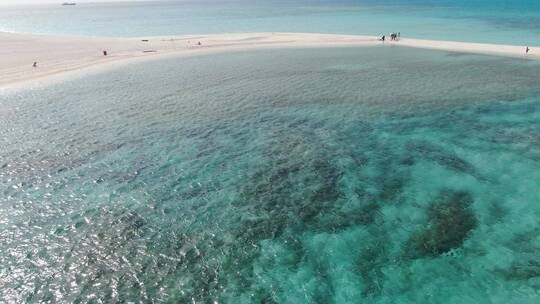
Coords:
281,176
495,21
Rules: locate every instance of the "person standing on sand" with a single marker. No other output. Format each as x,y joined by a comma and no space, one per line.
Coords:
35,64
382,38
104,53
527,49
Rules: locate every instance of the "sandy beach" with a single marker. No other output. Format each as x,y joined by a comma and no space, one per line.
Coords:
57,55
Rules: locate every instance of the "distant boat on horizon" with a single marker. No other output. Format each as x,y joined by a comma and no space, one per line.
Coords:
69,3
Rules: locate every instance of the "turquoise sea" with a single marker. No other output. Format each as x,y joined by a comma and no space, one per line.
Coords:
337,175
380,174
491,21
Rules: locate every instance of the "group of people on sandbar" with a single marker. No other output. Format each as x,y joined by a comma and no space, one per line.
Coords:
393,36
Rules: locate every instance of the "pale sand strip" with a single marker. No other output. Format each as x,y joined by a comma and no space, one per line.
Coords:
56,55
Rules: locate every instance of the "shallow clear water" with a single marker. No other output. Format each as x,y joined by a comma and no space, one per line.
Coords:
494,21
378,175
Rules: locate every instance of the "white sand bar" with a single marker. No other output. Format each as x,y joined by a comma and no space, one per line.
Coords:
56,55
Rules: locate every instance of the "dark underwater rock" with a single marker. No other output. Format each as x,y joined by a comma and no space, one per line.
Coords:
132,220
373,257
364,215
450,222
497,212
278,204
442,157
391,188
523,270
407,161
341,220
526,264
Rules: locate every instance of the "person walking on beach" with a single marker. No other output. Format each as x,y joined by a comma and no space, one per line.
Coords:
527,49
104,52
382,38
35,64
